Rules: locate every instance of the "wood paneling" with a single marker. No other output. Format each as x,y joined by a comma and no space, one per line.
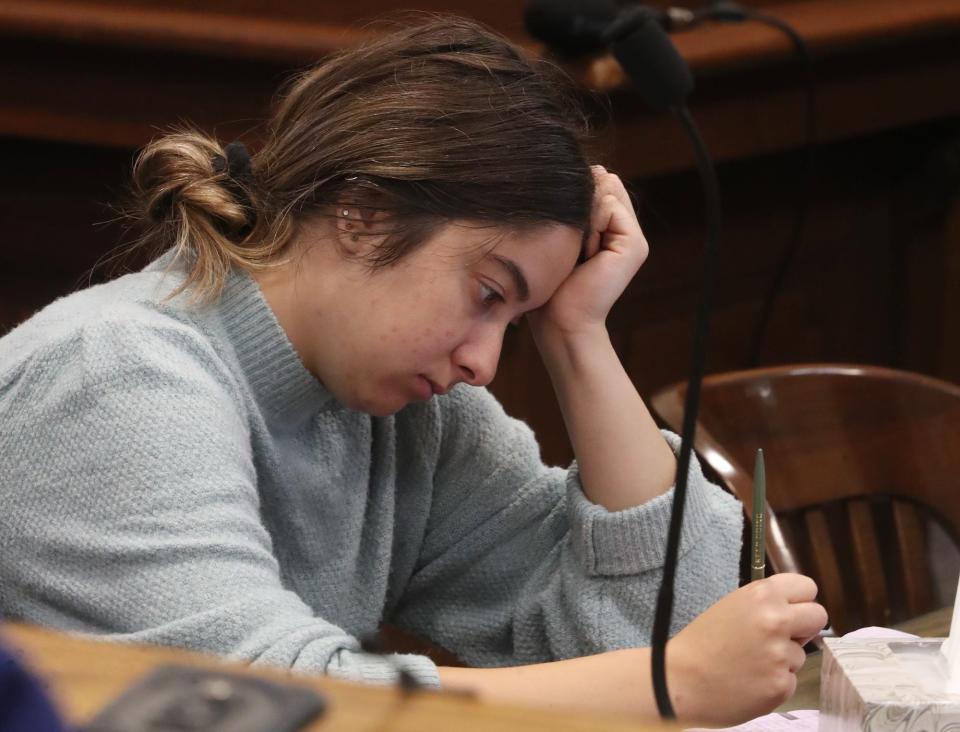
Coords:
86,83
110,73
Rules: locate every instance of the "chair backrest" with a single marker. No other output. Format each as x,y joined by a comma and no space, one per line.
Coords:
858,459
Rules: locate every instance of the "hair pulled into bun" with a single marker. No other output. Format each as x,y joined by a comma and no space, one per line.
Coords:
191,197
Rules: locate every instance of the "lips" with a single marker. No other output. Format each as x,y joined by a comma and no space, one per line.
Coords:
440,390
424,387
435,388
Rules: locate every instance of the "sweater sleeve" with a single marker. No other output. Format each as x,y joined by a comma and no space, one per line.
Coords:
518,566
131,507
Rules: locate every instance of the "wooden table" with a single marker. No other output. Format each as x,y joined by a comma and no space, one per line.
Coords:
84,675
931,625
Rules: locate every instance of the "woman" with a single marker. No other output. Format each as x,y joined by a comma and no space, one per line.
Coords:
275,438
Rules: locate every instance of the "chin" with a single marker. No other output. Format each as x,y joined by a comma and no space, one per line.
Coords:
377,407
384,411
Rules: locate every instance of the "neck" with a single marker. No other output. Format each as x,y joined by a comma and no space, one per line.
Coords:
284,289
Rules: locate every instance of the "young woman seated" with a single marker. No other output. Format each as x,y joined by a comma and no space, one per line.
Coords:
277,436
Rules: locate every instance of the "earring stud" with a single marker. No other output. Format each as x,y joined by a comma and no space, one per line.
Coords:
349,225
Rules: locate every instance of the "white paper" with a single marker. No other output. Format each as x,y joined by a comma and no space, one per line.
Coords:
875,631
951,648
800,720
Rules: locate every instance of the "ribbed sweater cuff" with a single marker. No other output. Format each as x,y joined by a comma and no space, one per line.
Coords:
634,540
384,670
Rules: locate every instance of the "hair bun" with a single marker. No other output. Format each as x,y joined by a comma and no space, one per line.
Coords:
195,197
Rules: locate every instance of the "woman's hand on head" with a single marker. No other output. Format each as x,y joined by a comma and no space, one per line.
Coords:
739,659
615,249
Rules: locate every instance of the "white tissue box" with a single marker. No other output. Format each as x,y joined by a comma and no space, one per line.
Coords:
882,684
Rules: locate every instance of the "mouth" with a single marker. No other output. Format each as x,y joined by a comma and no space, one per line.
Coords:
435,388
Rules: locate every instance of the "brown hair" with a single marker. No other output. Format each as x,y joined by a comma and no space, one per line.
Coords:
437,121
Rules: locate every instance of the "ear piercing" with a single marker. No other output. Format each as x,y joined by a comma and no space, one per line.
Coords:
349,225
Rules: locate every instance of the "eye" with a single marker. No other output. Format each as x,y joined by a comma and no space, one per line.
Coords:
489,297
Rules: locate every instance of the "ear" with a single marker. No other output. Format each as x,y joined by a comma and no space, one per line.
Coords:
360,229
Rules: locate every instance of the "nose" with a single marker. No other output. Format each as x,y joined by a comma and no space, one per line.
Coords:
477,357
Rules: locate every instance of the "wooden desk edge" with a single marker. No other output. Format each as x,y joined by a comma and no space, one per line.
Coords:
82,675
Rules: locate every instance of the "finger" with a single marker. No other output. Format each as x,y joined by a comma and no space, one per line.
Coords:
619,231
592,242
599,221
807,619
611,218
796,657
794,587
607,183
789,687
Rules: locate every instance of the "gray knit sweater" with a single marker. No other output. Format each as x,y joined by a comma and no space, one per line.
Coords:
172,474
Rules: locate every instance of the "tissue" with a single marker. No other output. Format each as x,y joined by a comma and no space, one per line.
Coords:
883,684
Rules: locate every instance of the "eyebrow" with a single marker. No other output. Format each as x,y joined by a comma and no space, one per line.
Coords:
516,274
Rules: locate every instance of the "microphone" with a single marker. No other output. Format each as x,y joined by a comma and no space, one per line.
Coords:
571,27
635,34
650,60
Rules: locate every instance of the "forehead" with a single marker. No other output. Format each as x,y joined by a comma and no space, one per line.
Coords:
530,262
529,247
544,256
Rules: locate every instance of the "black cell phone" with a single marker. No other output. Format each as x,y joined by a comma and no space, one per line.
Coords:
184,699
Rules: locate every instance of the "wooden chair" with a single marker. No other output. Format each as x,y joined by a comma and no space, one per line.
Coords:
859,460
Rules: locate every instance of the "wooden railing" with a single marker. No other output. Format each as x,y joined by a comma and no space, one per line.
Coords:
77,71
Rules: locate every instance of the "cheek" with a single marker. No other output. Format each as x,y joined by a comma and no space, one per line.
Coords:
436,318
399,344
431,339
412,326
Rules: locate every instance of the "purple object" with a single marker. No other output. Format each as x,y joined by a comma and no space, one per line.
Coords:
23,705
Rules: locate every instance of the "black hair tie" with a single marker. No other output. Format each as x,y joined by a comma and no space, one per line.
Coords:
235,163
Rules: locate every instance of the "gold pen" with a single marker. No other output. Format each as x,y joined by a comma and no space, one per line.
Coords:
758,564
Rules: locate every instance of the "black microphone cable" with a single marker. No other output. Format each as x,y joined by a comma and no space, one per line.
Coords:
661,76
674,19
691,407
640,44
